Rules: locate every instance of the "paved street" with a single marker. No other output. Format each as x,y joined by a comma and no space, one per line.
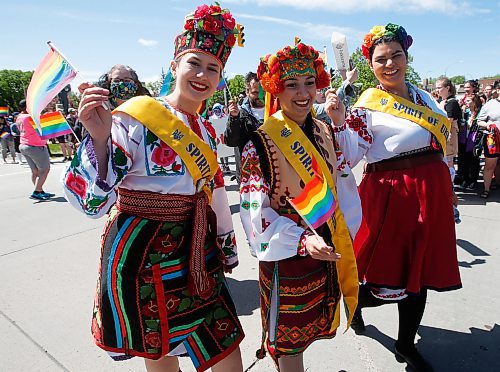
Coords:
48,268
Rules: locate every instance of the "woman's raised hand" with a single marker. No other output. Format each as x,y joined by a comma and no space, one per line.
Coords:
93,114
334,107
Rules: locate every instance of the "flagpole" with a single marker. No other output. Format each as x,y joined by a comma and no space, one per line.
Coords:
303,218
52,46
227,86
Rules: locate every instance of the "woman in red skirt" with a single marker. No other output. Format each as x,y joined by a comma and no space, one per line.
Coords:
406,243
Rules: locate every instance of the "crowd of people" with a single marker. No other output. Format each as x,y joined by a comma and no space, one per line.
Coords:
149,164
474,133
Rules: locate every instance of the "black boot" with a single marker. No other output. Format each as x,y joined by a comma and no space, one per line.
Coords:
411,310
358,324
410,355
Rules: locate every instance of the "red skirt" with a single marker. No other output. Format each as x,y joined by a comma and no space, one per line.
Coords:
407,235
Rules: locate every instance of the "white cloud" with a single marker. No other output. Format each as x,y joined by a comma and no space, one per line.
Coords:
313,30
351,6
146,42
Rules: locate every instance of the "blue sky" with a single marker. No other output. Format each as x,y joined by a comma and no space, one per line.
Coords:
459,37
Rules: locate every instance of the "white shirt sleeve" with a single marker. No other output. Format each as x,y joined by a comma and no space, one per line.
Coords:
272,237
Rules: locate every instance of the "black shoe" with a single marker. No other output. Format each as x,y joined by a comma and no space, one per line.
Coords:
358,324
413,358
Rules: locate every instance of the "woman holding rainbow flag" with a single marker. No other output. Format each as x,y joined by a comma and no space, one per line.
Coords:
289,172
406,243
166,245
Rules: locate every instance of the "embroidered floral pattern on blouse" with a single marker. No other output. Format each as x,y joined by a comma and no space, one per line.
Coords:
77,182
340,128
251,171
341,160
357,122
161,159
302,251
227,243
120,163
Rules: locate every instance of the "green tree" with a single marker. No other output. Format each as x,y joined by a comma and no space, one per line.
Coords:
13,87
236,85
366,77
74,99
154,87
411,75
459,79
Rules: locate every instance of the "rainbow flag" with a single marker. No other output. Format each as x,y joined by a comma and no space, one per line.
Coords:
5,135
49,78
316,203
53,125
4,111
222,84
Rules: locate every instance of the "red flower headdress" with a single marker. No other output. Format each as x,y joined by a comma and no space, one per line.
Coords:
209,29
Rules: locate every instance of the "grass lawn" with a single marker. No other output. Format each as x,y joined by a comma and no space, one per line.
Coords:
55,149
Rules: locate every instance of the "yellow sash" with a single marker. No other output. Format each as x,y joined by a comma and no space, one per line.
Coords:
199,158
378,100
297,149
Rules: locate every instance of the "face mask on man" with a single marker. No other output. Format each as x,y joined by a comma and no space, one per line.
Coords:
123,90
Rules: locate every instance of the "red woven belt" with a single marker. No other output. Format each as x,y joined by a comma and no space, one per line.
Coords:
176,208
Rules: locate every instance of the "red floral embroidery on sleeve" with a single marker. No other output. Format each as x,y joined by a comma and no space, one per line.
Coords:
301,249
357,122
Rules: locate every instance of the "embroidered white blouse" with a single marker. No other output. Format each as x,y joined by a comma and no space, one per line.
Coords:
141,161
273,237
378,136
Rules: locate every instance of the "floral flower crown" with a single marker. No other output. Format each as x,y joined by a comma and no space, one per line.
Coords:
209,29
391,30
300,60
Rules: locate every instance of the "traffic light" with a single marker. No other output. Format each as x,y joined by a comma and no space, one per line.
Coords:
241,35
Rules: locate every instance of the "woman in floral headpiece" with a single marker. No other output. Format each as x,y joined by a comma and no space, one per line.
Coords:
406,243
166,245
302,276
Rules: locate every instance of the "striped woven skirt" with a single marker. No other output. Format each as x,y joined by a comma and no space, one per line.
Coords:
298,298
144,303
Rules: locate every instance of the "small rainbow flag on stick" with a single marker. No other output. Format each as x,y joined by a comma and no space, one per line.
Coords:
53,125
4,111
316,203
49,78
5,135
222,84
